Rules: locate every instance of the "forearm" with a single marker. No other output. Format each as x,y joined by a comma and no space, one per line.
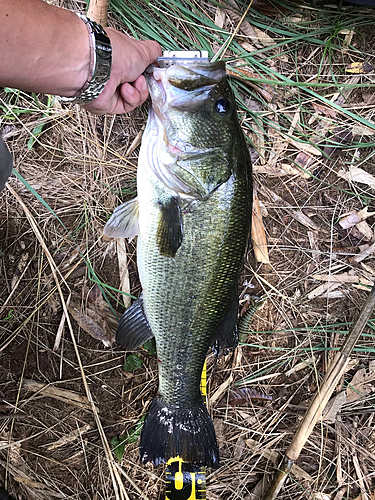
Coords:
43,48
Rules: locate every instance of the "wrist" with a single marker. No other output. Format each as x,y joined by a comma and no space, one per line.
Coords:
81,58
100,63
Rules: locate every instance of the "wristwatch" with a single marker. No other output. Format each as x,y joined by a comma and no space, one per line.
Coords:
100,63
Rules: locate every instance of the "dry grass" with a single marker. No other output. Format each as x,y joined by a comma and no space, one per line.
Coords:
51,443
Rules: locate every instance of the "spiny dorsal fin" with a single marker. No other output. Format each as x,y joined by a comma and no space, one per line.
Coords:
124,222
170,228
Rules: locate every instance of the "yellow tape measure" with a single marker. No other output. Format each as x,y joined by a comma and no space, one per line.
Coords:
185,481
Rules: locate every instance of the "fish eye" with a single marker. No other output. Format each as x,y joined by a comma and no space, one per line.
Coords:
222,106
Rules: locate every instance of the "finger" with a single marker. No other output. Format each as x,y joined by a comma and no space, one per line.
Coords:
141,85
152,51
130,98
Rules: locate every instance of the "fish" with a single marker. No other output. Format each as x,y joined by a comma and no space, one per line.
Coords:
192,216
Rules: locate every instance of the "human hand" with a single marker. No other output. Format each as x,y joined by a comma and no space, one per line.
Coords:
126,89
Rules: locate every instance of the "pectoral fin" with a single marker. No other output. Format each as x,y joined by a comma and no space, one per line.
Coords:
226,335
170,228
124,222
133,329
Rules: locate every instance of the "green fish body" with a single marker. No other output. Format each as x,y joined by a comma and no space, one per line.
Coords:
192,216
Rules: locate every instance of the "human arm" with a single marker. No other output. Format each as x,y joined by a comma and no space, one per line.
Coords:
46,49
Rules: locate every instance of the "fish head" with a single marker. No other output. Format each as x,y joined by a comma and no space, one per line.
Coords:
194,126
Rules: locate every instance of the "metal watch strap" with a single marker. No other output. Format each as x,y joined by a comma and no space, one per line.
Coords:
100,63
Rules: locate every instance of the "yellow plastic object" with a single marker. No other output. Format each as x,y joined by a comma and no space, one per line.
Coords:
185,481
204,383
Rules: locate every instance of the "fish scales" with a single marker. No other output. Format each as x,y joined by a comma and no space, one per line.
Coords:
203,285
192,216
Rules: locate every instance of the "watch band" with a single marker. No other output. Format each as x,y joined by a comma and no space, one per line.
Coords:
100,63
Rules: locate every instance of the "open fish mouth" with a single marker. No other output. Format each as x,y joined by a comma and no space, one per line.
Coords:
182,87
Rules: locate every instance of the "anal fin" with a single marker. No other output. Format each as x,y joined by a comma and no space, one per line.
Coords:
133,329
226,335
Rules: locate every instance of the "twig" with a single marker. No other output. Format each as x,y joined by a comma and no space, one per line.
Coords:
334,374
68,397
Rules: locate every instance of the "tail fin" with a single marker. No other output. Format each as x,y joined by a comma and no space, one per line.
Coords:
171,431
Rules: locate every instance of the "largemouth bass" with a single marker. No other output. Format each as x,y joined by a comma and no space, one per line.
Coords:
192,216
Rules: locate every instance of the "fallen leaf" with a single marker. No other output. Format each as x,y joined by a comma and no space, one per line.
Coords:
321,109
356,174
289,170
322,496
340,136
366,252
368,268
361,385
350,220
258,233
365,229
280,170
219,17
221,389
279,145
321,289
304,160
306,147
342,278
258,492
244,76
221,438
68,438
333,407
249,47
362,130
65,395
314,239
90,326
304,220
242,396
22,263
359,67
365,214
302,365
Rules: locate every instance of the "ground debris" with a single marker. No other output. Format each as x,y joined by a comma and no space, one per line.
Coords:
64,395
310,127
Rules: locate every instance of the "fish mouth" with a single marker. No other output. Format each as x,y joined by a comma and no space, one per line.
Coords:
180,87
176,162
